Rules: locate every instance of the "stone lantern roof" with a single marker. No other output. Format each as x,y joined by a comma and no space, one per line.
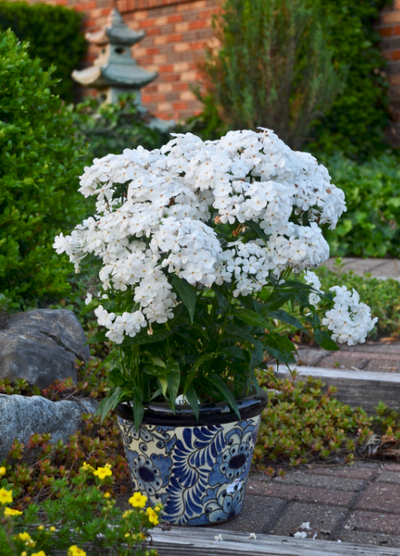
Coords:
115,71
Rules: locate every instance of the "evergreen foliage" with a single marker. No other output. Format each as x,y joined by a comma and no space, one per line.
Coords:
311,71
54,35
39,169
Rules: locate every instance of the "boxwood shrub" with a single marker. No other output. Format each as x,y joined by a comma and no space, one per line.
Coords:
40,161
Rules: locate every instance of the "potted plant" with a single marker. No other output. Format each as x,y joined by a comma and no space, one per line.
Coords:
197,243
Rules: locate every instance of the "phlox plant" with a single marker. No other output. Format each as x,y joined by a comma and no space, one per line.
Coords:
197,243
81,520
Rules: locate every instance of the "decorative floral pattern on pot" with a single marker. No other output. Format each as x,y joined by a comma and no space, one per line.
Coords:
198,473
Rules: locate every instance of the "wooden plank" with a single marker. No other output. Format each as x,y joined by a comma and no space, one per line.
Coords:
355,388
186,541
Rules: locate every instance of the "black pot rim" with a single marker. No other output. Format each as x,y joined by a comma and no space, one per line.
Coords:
209,414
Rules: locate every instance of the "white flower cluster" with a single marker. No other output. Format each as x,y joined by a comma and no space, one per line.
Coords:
158,214
350,320
312,280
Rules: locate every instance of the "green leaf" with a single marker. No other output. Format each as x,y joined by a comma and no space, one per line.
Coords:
98,338
324,340
192,398
284,316
187,294
195,367
90,306
222,388
144,338
163,382
174,380
280,347
116,377
110,402
251,317
137,406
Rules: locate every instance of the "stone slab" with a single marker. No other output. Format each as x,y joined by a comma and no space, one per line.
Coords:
373,539
324,520
364,471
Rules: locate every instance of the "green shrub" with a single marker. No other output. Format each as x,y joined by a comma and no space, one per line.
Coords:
248,81
39,169
359,115
273,69
371,225
54,34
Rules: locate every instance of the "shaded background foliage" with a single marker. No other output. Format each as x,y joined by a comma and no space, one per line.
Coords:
339,39
54,35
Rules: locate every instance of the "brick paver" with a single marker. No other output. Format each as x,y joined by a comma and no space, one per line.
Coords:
301,493
380,497
376,522
324,521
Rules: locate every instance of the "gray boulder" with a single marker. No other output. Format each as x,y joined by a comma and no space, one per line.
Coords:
21,416
41,346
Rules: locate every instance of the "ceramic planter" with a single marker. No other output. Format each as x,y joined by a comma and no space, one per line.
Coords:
196,469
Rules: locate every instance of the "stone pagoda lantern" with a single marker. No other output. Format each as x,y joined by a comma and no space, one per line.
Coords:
115,71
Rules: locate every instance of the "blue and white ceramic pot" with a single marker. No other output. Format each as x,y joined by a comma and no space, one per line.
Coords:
196,469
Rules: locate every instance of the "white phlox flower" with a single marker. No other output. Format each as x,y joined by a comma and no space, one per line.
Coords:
158,215
312,280
350,320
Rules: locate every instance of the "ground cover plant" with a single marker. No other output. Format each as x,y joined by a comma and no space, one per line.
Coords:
79,519
370,227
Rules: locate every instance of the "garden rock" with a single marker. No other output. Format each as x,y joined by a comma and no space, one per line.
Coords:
41,346
22,416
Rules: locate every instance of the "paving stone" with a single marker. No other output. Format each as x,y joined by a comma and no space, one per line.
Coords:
376,522
374,348
381,497
324,520
302,493
383,366
392,467
311,357
388,477
358,266
257,515
389,269
322,481
342,360
364,472
362,537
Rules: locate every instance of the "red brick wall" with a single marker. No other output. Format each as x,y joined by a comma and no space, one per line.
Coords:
176,33
388,26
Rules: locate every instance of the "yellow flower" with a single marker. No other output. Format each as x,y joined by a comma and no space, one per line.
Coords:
108,465
75,551
127,513
127,535
153,517
52,529
107,495
3,471
87,467
25,537
41,553
10,511
24,553
40,528
157,509
143,536
5,496
102,472
138,500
